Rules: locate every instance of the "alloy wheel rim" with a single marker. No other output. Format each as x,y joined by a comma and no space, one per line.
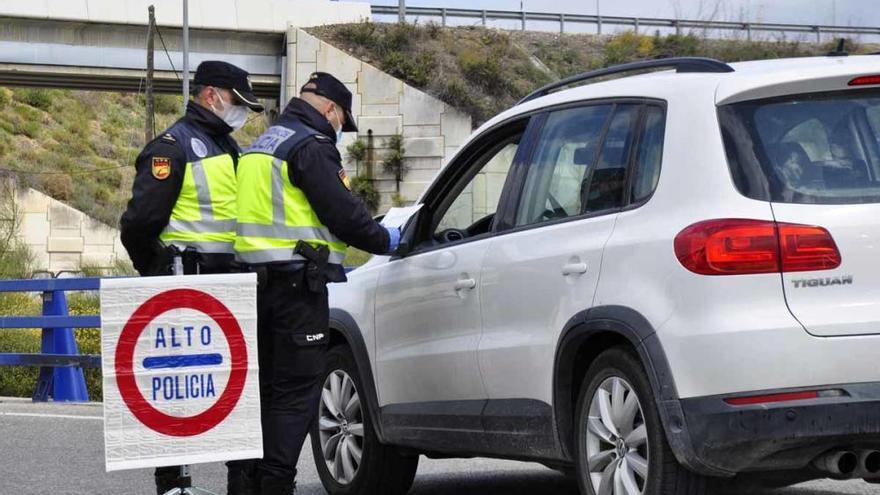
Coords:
617,440
341,427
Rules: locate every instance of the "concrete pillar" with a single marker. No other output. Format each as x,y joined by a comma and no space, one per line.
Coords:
561,23
749,32
523,20
636,25
484,17
288,79
443,14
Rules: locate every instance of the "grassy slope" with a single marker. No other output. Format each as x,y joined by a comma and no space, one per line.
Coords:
79,146
485,71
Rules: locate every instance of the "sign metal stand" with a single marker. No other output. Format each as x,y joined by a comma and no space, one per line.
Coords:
184,469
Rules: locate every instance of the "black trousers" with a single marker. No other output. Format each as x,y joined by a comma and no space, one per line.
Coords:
292,334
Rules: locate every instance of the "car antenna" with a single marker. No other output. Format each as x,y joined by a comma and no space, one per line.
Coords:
841,49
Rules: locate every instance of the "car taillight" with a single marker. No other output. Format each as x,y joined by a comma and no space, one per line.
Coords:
741,247
865,81
805,248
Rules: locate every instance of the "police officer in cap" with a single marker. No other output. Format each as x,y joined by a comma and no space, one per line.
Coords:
183,196
296,217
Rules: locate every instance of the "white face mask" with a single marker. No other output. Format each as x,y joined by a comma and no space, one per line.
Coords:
339,132
235,116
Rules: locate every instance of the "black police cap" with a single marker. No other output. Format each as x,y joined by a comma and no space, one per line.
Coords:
227,76
324,84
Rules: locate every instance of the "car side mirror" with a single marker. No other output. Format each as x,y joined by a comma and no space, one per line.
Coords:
407,236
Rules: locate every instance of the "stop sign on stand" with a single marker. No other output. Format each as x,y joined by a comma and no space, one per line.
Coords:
180,370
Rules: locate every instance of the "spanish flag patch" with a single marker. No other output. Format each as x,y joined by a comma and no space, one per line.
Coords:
161,167
343,176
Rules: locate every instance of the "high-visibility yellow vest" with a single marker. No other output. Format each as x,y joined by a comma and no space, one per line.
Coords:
204,215
273,213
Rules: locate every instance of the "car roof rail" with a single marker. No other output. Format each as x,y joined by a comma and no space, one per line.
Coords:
680,64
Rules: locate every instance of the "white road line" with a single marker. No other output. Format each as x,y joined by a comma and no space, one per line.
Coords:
53,416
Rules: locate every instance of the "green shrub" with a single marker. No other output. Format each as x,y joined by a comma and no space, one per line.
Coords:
167,104
626,47
357,151
360,34
5,97
35,97
395,161
676,45
366,191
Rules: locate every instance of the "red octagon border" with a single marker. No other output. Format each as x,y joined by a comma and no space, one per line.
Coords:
147,414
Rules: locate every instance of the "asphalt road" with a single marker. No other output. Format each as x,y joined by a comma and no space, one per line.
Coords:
57,449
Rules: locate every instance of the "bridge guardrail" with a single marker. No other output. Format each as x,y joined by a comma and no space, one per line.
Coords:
634,22
61,365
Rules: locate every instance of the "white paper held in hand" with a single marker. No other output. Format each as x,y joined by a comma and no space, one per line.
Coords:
398,216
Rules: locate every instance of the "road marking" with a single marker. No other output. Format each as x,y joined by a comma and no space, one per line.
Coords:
53,416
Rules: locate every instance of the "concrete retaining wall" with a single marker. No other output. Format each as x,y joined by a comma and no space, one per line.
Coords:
63,238
432,130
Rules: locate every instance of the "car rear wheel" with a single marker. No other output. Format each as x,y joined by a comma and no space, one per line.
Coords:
621,447
349,458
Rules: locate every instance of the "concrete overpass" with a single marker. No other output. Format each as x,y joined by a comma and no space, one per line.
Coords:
101,44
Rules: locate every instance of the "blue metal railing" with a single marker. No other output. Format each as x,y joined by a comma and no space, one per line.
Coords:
61,365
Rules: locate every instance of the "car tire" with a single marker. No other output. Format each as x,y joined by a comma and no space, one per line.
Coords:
619,429
340,440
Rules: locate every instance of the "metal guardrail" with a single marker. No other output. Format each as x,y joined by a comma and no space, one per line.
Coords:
61,365
635,22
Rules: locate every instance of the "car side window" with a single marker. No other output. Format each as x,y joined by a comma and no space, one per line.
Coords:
649,154
472,206
565,154
606,183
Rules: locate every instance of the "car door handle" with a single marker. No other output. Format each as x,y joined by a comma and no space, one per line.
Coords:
465,284
574,269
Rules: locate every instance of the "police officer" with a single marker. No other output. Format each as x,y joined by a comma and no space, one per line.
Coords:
183,196
296,217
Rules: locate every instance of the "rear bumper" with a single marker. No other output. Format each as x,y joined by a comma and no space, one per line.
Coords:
722,439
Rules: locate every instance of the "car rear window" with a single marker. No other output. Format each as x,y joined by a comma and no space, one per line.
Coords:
814,149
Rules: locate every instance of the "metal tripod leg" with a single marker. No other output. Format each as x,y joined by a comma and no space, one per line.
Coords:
190,490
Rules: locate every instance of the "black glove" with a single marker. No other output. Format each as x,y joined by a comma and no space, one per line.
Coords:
160,260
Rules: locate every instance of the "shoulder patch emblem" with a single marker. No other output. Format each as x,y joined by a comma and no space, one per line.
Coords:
343,176
161,167
199,147
169,138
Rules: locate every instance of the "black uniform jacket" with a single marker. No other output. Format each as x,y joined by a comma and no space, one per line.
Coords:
316,168
153,198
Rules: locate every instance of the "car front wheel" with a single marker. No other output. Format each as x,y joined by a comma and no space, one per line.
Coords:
621,446
348,456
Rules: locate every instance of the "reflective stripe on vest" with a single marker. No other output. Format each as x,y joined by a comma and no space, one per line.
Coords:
273,214
204,215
